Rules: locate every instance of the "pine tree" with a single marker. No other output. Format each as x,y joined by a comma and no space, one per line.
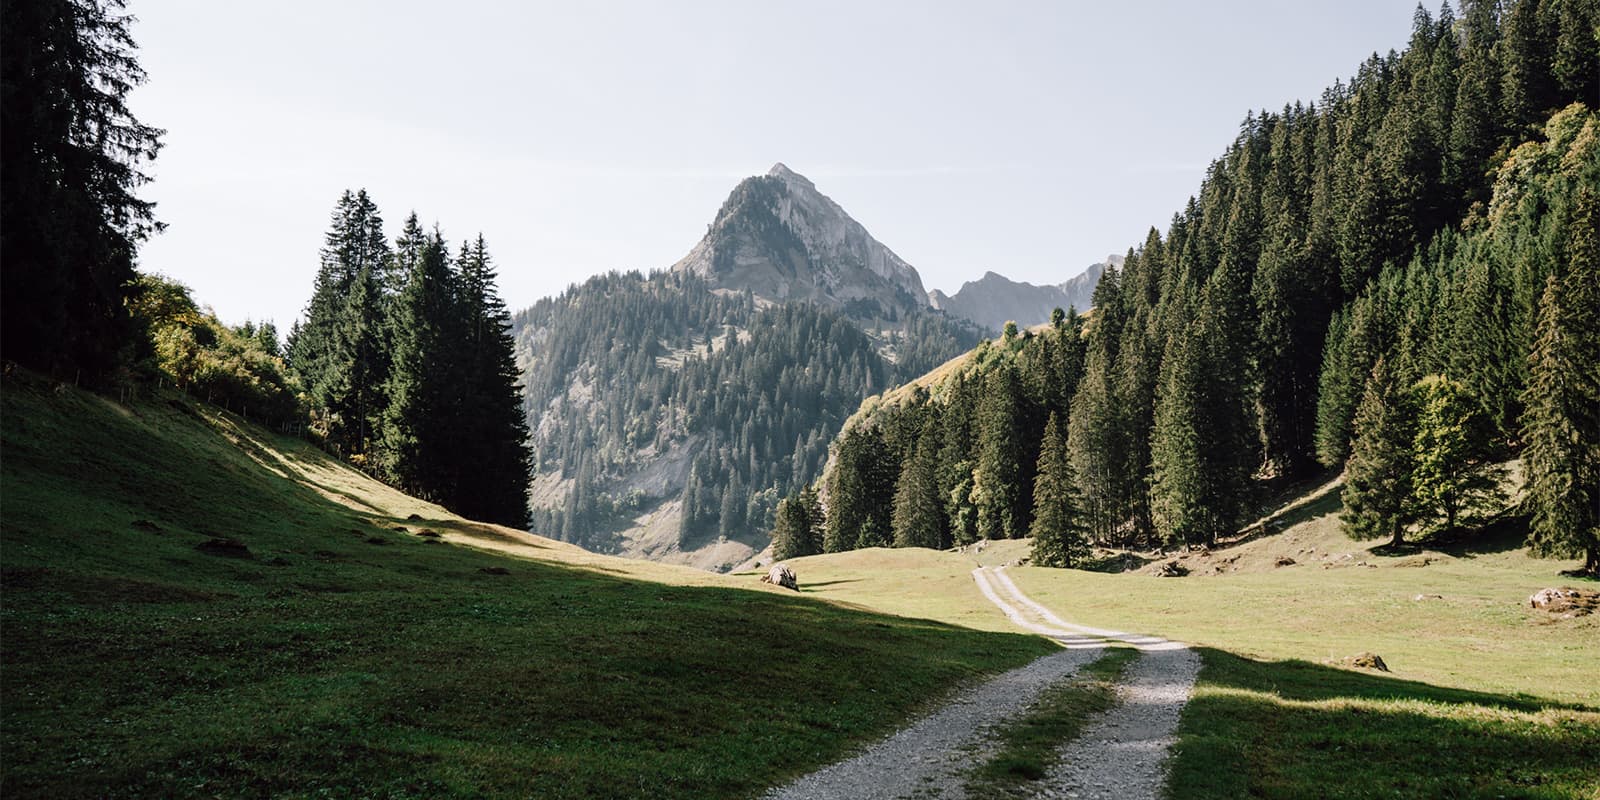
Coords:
791,532
1452,452
996,492
491,442
1482,353
341,349
1562,422
1060,538
418,423
1378,478
918,519
1177,483
73,152
358,365
861,495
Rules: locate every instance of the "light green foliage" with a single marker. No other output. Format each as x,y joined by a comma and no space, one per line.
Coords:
236,369
1454,471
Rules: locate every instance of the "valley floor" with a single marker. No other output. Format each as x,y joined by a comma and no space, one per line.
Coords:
1487,697
195,607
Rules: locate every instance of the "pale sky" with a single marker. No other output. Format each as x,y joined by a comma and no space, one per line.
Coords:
1028,138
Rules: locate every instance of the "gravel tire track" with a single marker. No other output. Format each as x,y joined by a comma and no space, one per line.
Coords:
1121,754
929,759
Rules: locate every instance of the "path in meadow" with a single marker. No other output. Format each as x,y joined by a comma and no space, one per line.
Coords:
1121,753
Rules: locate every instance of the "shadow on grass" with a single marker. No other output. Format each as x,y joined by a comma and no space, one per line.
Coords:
1502,534
1297,729
1114,562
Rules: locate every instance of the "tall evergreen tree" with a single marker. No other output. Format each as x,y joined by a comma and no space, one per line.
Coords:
1562,421
1378,478
861,497
422,384
996,485
73,154
491,428
791,533
358,365
918,519
341,349
1060,538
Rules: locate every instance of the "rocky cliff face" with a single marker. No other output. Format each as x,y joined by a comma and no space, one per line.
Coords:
779,237
993,300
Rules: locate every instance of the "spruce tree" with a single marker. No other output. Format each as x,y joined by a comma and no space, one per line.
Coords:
861,495
918,519
996,492
791,531
341,348
1378,477
73,154
419,422
1060,538
358,366
491,441
1562,422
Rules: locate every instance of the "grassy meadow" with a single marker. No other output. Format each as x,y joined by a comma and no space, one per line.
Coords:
1486,698
196,608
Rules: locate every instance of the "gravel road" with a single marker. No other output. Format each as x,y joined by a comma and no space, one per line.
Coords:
929,758
1121,754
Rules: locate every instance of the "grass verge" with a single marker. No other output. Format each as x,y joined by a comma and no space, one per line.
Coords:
1029,744
321,652
1291,729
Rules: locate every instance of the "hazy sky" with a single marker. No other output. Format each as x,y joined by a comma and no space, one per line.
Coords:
1027,138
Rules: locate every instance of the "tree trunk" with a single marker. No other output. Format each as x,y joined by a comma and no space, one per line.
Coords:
1399,533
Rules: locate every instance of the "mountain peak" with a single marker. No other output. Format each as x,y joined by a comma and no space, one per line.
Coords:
782,239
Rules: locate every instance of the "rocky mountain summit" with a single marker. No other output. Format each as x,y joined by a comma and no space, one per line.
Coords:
993,300
783,240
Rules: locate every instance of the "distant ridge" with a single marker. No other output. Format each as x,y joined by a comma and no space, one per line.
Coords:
993,300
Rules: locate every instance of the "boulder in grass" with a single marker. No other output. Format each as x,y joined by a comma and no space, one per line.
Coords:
1367,661
1172,569
781,575
1565,600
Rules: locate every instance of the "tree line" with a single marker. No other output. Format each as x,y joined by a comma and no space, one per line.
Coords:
1380,281
406,356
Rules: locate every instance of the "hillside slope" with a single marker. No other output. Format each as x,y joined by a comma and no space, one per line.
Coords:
195,607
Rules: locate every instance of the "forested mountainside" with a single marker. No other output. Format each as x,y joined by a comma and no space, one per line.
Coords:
1399,279
993,300
656,397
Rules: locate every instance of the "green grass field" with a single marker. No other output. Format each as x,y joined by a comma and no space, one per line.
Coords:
1487,697
323,653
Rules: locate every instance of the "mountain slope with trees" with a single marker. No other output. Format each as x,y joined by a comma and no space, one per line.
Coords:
658,397
1434,214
